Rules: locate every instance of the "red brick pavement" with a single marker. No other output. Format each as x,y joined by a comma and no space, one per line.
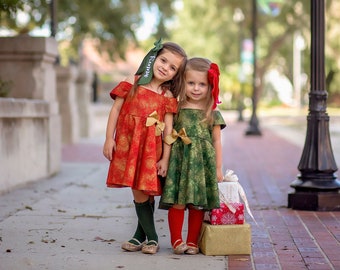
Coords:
83,152
284,238
266,165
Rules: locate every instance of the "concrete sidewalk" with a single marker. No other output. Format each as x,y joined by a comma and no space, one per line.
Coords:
72,221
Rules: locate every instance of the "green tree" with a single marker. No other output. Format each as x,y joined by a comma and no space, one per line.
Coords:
332,49
207,28
112,23
9,6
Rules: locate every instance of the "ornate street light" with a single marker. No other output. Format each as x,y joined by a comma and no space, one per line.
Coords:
253,128
317,187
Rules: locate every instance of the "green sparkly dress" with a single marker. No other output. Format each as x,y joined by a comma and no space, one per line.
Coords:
191,177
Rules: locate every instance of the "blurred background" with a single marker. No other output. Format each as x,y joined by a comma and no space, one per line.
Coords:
110,37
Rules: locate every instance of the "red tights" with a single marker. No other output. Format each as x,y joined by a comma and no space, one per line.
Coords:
176,219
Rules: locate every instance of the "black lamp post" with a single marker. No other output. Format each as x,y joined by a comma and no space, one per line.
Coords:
253,128
53,12
317,187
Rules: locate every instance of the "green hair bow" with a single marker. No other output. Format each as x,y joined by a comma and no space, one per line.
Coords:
146,67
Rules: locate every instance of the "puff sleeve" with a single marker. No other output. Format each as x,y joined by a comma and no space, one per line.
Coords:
218,119
171,105
121,90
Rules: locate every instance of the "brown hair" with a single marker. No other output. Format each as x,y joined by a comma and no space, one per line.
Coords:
176,85
202,65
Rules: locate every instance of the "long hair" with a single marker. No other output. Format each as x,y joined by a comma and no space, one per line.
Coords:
202,65
176,84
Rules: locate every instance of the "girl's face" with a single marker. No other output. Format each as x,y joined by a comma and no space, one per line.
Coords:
166,65
196,86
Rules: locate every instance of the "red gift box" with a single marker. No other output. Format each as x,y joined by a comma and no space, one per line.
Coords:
225,216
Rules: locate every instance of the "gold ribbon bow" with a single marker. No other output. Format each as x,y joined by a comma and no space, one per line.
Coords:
153,119
171,138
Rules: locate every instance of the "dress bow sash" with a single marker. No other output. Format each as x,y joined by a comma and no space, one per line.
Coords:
153,119
171,138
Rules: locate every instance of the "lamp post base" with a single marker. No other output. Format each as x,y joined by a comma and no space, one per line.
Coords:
314,201
253,130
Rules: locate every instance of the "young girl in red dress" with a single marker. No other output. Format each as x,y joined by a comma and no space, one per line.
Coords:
141,115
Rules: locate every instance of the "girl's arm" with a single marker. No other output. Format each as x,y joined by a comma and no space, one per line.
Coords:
110,144
218,151
163,163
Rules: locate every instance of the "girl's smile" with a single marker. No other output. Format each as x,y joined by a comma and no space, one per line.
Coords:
166,65
197,86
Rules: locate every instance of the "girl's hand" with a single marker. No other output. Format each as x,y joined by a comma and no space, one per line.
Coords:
109,147
162,167
219,176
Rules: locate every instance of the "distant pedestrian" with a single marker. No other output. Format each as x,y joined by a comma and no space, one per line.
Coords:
195,165
141,115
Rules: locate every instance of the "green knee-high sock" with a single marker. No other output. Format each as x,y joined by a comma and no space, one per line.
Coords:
139,233
145,218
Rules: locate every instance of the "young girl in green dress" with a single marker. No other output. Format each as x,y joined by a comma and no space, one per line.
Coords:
195,165
141,115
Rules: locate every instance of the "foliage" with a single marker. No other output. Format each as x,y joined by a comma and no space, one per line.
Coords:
112,23
332,47
10,9
9,6
219,36
203,28
5,87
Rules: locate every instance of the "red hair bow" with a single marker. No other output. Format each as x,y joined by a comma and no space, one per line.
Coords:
213,78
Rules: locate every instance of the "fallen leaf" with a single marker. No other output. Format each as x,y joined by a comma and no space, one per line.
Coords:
97,238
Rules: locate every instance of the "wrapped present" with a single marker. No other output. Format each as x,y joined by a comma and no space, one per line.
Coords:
231,191
225,239
224,215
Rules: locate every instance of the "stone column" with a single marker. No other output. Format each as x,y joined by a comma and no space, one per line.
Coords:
28,64
84,94
68,104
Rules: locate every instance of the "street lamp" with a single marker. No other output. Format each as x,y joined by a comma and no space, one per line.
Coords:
317,187
253,128
238,18
53,12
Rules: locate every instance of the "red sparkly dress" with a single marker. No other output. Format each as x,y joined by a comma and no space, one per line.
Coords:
139,147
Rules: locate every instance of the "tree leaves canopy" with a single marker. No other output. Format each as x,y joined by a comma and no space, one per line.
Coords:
112,22
207,28
204,28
